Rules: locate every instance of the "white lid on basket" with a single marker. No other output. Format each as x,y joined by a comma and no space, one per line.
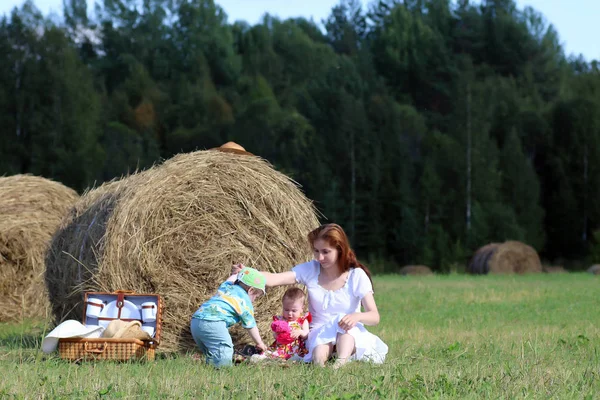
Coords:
68,329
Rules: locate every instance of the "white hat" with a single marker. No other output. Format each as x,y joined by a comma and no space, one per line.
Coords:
68,329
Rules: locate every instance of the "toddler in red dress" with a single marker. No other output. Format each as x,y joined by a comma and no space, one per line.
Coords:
290,329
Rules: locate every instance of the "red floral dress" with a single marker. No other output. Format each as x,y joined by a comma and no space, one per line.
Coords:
297,347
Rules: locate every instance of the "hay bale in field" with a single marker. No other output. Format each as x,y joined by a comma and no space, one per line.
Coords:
175,230
31,209
554,269
78,244
594,269
415,270
515,257
505,258
479,263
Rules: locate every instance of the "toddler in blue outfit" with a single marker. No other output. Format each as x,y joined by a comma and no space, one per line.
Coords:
232,304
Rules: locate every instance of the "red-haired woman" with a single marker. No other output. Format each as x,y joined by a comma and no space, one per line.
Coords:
337,287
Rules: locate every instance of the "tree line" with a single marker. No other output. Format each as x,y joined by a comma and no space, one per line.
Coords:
426,128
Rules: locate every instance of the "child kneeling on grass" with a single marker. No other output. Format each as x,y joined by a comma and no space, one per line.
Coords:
231,304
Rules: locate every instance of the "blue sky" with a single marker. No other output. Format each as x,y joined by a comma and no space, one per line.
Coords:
575,20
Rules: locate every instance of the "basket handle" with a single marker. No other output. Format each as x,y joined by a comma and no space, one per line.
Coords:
99,350
125,291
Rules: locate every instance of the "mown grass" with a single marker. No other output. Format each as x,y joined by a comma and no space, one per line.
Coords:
449,336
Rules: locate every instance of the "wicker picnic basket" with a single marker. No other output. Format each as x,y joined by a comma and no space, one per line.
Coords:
118,305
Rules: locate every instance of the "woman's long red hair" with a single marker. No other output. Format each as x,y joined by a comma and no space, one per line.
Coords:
335,236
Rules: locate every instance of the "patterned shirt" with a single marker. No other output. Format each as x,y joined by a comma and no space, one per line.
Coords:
231,304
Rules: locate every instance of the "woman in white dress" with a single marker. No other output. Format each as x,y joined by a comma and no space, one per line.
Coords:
338,285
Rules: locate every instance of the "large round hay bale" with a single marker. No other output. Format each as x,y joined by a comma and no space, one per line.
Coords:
415,270
505,258
78,245
515,257
594,269
31,209
176,229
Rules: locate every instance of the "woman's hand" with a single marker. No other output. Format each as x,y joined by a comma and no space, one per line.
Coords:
236,268
349,321
273,279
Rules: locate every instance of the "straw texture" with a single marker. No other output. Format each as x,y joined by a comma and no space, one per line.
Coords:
31,209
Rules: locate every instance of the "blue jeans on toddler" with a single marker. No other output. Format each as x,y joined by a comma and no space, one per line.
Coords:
214,340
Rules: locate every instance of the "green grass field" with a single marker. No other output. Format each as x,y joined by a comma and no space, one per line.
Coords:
449,336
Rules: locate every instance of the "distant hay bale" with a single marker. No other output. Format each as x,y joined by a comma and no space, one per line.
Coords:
415,270
31,209
515,257
505,258
175,230
479,263
554,269
594,269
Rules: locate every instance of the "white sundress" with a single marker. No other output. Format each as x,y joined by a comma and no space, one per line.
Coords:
327,307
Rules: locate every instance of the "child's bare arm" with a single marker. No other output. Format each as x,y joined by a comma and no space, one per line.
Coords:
255,335
305,330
